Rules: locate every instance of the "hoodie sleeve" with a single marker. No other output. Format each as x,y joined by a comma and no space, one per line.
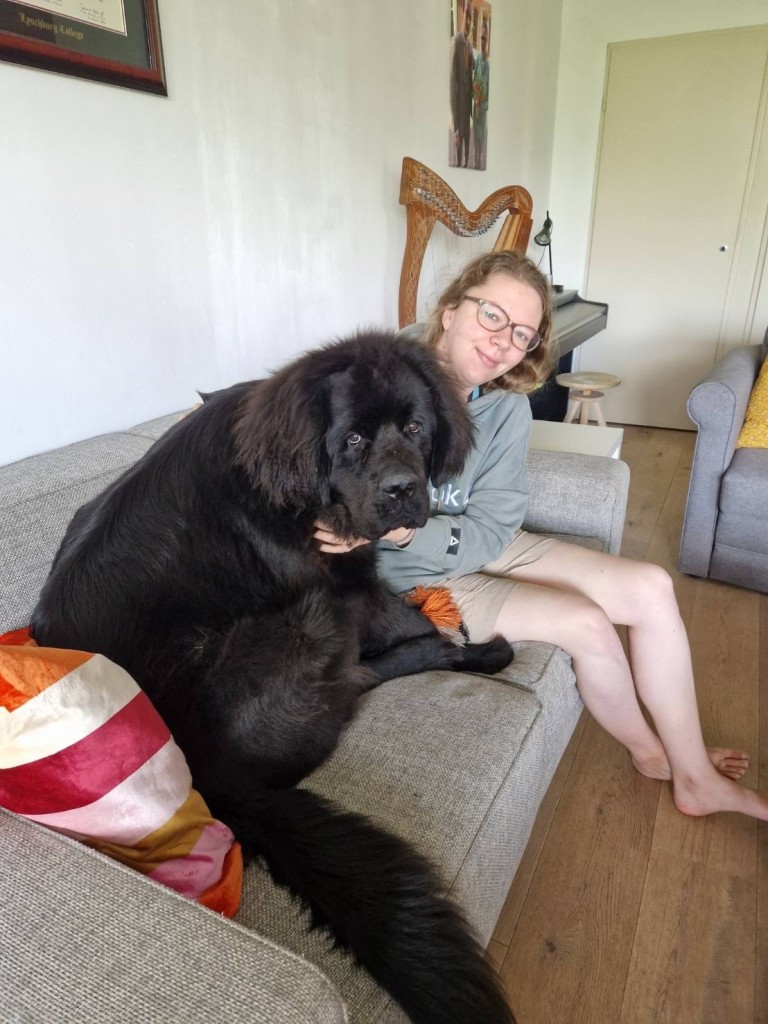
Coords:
452,545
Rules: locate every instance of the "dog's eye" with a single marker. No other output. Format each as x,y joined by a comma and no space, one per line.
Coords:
413,427
353,439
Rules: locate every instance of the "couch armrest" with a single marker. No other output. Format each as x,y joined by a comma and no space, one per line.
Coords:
85,939
577,496
717,406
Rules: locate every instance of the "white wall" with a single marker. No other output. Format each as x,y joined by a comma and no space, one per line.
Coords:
151,246
588,26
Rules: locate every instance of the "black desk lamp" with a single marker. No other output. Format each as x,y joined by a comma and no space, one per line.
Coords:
544,239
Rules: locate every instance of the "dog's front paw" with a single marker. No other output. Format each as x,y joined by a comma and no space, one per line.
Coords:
489,658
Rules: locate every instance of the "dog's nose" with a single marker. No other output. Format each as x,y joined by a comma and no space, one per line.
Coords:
398,486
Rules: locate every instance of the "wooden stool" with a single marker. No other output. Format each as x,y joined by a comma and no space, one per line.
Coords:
584,396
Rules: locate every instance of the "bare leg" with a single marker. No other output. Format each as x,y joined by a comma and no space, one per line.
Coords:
570,597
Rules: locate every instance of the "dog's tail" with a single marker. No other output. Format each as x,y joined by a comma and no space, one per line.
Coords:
379,898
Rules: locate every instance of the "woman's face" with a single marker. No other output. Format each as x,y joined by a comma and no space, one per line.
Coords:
475,354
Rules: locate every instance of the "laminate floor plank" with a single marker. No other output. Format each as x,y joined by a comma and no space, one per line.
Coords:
577,923
724,634
693,957
652,473
518,892
496,952
664,541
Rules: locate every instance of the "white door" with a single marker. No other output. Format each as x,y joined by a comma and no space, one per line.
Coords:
677,154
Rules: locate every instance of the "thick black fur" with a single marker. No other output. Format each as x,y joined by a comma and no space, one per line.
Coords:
197,572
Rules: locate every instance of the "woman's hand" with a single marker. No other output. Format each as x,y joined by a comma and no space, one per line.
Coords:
333,545
402,536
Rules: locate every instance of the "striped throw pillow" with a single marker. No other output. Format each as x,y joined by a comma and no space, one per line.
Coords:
83,751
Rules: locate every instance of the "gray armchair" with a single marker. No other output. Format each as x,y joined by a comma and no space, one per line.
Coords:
725,532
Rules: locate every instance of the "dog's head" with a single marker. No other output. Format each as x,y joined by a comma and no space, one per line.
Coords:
356,429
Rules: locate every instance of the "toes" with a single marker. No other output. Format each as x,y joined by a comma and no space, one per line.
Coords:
740,756
726,760
733,764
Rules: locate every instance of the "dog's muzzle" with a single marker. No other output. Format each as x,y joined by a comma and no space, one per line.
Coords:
399,486
402,500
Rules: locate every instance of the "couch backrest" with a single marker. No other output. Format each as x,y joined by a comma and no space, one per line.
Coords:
39,496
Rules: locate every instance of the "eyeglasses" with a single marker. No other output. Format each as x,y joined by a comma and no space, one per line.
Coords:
493,318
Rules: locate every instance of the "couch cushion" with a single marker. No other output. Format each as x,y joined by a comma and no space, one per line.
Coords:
456,764
740,552
754,432
744,489
38,497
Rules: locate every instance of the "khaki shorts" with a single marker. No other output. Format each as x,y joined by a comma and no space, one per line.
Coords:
479,595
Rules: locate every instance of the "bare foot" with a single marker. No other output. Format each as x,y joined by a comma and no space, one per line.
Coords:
653,767
733,764
719,794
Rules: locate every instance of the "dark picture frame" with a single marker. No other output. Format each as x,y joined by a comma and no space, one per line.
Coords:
126,52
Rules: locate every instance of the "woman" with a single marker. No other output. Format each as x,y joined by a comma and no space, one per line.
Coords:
492,328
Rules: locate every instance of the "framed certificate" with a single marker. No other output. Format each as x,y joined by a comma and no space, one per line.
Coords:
115,41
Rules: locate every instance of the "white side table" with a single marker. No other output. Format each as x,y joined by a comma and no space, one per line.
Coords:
553,436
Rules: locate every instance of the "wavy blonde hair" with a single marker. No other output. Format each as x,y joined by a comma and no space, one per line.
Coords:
536,367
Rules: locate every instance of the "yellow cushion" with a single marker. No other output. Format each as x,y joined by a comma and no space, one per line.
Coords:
754,433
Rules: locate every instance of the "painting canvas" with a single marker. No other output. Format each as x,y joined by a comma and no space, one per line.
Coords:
469,83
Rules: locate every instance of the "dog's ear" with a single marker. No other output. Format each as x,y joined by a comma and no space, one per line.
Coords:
280,438
455,431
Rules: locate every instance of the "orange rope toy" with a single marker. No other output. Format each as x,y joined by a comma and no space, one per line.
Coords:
437,604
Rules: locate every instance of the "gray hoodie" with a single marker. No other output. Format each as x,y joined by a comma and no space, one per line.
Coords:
473,517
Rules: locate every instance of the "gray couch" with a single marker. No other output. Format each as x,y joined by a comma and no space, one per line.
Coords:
456,763
725,532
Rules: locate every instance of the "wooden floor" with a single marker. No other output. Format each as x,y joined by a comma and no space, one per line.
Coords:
623,910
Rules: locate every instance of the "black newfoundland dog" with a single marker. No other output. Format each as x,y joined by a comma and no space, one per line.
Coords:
198,573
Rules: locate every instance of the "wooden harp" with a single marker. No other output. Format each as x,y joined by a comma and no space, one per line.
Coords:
427,198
